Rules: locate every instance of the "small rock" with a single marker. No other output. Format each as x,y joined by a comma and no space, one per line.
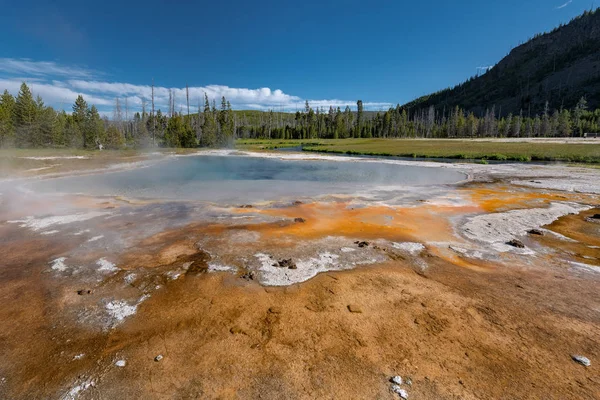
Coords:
581,360
275,310
535,232
246,206
158,358
297,203
248,276
362,244
121,363
236,330
399,391
516,243
299,220
396,379
286,263
408,381
595,216
84,292
353,308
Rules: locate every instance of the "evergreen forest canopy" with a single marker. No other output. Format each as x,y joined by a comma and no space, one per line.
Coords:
26,122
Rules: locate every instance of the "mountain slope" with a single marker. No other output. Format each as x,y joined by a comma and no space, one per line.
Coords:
559,67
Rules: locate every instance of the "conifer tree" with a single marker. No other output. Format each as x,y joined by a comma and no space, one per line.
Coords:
80,118
7,119
25,113
95,133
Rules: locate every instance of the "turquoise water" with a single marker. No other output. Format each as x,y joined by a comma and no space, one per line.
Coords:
241,179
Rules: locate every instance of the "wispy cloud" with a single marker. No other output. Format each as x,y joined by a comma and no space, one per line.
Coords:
564,5
26,66
59,85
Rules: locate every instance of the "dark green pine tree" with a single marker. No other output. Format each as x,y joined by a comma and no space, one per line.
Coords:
44,125
209,126
7,119
95,132
80,118
25,115
172,132
359,119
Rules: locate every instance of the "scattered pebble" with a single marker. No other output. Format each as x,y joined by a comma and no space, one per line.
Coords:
362,244
397,380
236,330
121,363
299,220
353,308
535,232
158,358
78,356
82,292
248,276
275,310
286,263
516,243
581,360
399,391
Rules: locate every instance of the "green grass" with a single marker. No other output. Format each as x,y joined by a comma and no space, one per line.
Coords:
448,148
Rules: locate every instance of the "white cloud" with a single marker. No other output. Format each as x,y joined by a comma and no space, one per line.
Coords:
564,5
24,66
53,94
60,85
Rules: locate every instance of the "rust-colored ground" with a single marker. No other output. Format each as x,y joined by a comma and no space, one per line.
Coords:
494,330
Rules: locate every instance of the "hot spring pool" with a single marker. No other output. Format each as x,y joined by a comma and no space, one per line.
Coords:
235,178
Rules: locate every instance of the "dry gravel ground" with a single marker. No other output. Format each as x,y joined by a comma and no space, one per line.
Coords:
457,325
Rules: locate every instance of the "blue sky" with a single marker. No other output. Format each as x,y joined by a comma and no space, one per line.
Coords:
261,54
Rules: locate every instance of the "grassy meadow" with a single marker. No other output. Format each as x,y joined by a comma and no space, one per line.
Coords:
534,150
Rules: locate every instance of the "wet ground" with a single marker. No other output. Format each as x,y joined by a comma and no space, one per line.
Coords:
321,296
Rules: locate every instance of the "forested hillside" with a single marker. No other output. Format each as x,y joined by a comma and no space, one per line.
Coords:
551,71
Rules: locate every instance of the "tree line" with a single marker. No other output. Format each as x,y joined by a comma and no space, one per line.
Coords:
430,122
26,121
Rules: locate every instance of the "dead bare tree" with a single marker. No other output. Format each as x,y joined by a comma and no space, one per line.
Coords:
187,97
153,119
118,115
126,115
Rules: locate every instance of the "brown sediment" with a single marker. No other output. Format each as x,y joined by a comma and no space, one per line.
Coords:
584,246
461,328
